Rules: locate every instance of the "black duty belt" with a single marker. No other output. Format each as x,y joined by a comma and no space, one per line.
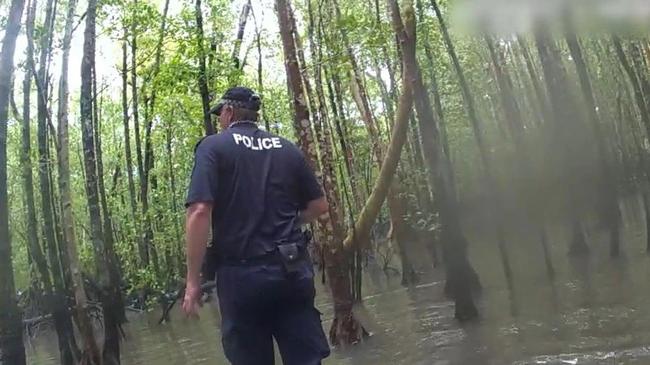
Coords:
273,257
269,258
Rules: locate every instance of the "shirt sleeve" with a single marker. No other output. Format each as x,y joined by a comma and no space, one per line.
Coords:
204,180
309,187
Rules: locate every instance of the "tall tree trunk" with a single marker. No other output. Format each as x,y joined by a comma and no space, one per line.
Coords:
326,142
492,189
143,249
147,235
514,120
35,251
203,75
60,313
534,79
42,115
440,113
109,290
150,102
114,267
564,117
260,83
127,132
91,353
345,328
12,350
174,201
636,86
243,18
397,204
610,209
645,118
461,277
640,69
368,215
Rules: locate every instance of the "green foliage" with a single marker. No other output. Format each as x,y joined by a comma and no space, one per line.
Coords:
176,115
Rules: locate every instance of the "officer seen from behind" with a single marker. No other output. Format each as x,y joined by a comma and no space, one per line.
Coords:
257,190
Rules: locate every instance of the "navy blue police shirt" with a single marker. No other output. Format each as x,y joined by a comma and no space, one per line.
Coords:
257,182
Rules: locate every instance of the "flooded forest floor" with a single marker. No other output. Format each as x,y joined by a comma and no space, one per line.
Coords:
596,311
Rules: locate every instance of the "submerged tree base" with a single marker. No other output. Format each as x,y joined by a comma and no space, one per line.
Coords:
410,277
466,311
346,330
473,281
579,247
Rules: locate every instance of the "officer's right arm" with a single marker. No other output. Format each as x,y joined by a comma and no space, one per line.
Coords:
199,203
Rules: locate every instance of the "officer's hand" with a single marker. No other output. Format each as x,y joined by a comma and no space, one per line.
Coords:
192,300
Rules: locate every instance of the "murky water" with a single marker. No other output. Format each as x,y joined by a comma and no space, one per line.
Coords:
596,312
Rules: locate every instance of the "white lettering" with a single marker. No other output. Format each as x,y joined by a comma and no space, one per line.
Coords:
267,144
276,142
247,141
257,144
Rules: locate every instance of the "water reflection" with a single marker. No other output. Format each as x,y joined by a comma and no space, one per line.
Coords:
597,311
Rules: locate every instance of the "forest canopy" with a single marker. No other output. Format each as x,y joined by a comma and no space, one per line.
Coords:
415,114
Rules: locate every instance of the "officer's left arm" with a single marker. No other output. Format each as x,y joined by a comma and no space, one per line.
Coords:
315,208
313,203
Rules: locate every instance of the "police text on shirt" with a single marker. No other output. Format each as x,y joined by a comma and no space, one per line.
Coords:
257,144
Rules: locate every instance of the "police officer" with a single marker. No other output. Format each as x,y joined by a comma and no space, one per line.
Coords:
257,190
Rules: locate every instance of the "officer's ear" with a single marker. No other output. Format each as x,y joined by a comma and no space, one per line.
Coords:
227,112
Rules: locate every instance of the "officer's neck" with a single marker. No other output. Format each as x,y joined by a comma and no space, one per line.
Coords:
242,123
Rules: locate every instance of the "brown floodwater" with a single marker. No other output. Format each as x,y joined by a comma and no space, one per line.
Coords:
597,311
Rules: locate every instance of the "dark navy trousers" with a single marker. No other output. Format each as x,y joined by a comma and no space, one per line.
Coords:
259,303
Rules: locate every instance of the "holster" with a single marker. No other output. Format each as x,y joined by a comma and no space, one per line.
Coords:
290,256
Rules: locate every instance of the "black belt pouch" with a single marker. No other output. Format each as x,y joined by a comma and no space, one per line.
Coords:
290,257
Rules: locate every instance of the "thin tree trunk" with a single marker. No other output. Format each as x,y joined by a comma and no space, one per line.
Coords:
12,350
534,79
345,328
203,75
174,201
109,289
433,85
60,313
487,171
91,352
150,102
243,18
114,267
35,251
396,202
638,93
260,82
143,250
514,120
565,117
639,67
645,118
382,185
530,101
147,235
127,132
329,172
461,277
610,209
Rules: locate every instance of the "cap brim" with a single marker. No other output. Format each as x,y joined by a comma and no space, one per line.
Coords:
216,110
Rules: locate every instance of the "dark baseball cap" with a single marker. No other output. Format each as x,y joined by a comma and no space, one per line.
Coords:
238,97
